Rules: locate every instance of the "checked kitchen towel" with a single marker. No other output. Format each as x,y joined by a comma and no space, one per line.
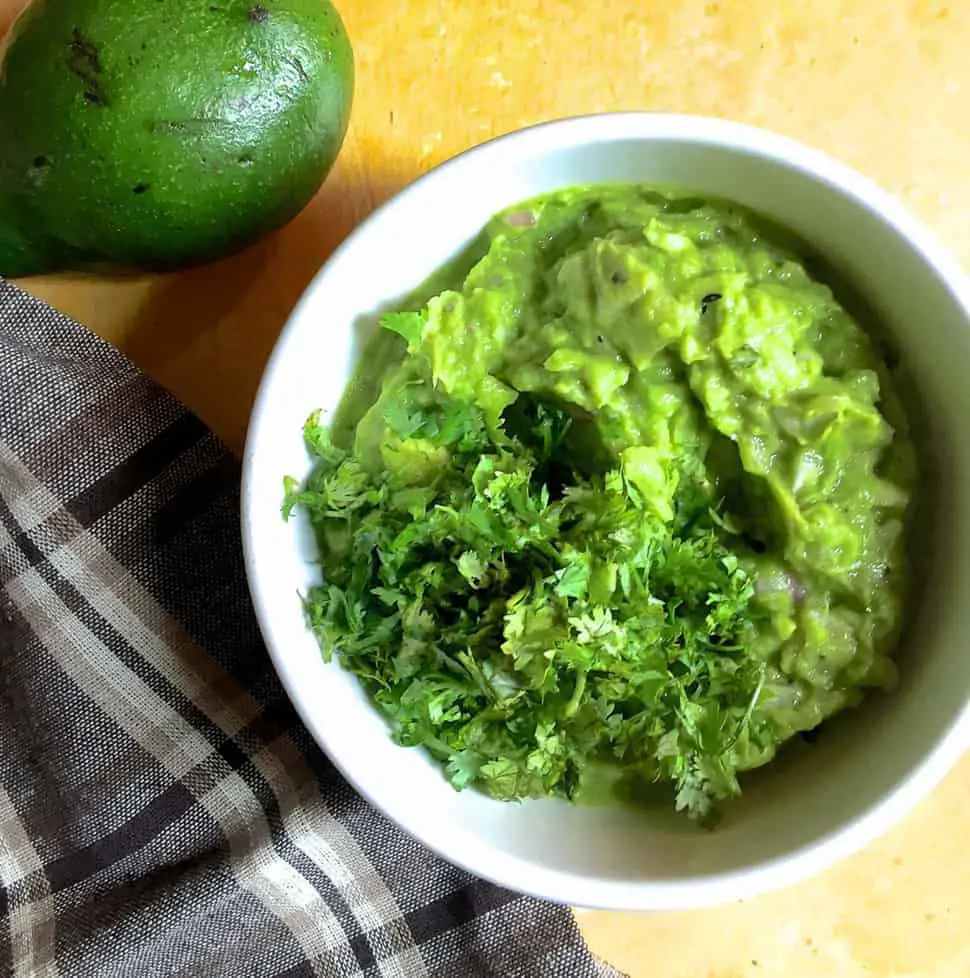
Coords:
162,810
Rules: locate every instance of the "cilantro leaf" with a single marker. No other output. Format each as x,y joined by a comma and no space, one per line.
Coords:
410,325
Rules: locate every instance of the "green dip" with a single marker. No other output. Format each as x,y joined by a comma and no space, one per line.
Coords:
629,506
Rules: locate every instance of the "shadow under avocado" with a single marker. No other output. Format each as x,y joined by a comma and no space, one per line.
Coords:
230,313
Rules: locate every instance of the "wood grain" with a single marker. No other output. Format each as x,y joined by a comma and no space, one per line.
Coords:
881,83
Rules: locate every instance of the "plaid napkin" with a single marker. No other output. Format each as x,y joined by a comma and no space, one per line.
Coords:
162,810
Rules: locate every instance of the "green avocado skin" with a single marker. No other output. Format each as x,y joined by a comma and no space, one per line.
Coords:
157,134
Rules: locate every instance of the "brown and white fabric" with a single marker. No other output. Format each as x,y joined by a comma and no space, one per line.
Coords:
162,810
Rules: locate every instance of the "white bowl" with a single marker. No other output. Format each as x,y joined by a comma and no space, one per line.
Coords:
816,805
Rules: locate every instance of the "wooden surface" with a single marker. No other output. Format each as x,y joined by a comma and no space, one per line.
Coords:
884,84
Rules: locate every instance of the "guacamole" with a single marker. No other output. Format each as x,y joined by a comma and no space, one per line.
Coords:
625,500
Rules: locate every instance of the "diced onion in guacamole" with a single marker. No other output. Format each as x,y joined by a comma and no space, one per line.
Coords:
620,501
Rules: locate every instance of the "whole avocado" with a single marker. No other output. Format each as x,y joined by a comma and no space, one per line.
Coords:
156,134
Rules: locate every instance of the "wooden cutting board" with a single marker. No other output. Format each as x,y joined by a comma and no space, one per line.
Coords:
884,84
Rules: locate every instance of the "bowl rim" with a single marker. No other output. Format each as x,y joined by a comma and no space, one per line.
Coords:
569,887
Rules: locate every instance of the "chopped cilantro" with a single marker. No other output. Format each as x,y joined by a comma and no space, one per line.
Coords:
522,630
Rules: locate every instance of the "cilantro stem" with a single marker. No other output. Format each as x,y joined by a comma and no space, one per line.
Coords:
746,719
573,705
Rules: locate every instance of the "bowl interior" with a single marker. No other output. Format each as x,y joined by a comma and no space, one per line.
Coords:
819,802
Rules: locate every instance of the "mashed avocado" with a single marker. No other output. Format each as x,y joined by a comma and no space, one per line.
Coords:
632,500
